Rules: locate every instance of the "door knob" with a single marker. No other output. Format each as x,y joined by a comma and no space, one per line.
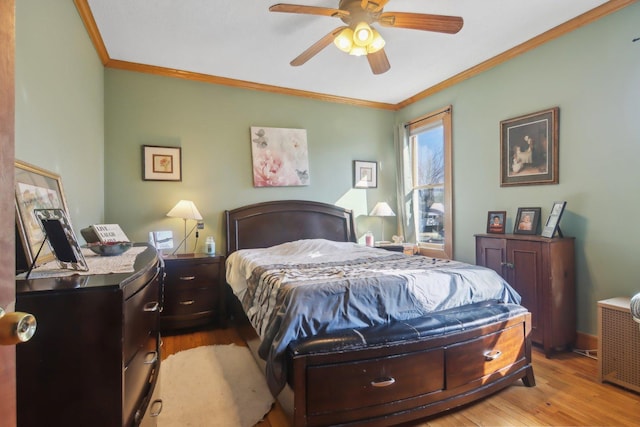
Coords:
16,327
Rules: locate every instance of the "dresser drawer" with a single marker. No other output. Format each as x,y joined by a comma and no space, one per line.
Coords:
190,301
191,275
348,386
141,318
137,377
475,359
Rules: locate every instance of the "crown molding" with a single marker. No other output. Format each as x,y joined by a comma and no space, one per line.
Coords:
579,21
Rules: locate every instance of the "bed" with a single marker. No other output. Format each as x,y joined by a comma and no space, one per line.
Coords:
368,351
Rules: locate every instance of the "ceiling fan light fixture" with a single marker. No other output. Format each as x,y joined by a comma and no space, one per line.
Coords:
344,40
358,51
363,34
376,44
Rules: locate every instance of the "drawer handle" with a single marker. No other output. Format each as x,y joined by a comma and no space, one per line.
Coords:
383,382
188,302
151,358
490,356
187,277
151,306
156,404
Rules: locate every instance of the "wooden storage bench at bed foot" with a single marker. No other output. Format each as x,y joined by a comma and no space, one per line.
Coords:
390,382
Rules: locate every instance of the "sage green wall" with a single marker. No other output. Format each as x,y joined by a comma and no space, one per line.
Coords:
593,75
211,124
60,103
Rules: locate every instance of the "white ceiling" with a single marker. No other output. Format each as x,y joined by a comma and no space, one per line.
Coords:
241,39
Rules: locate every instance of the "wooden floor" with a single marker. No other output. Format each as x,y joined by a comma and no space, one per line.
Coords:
567,392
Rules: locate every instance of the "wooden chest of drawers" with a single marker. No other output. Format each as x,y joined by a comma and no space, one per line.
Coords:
95,357
194,291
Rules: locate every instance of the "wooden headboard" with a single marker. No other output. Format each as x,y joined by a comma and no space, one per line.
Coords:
271,223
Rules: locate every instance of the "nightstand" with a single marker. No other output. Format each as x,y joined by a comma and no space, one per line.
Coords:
406,248
193,291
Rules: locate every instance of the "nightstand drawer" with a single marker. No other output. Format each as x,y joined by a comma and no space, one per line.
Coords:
190,301
191,275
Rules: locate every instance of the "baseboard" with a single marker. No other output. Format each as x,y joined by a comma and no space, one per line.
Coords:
586,341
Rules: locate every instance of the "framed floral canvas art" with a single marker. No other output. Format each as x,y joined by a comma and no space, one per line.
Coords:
280,157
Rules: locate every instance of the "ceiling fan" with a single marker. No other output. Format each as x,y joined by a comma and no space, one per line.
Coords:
358,37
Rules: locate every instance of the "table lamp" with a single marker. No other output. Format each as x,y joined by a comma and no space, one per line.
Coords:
382,209
185,209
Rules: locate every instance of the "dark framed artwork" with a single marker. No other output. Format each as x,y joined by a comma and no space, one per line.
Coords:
529,149
496,221
35,188
365,174
553,222
161,163
527,221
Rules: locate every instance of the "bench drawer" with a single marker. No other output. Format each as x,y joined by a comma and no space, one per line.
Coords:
478,358
358,384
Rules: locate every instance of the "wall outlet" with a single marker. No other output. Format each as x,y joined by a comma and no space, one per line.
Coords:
200,225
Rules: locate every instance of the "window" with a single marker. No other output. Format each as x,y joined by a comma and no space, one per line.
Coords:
429,143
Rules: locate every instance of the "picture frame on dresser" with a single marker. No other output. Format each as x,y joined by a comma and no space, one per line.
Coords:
62,239
527,221
496,222
35,188
553,222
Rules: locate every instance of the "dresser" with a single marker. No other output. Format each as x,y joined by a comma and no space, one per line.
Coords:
95,357
542,271
194,291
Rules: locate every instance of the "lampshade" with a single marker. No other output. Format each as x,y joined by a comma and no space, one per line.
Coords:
362,35
382,209
344,40
185,209
376,44
358,51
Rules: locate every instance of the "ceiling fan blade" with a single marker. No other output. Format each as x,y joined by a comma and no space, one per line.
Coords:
421,21
315,48
308,10
378,62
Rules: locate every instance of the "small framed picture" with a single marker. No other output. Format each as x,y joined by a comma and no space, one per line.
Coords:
161,163
365,174
527,221
553,222
496,221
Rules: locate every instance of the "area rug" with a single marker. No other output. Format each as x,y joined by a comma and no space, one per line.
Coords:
215,385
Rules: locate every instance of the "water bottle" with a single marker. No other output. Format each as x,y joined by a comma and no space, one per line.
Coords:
210,245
